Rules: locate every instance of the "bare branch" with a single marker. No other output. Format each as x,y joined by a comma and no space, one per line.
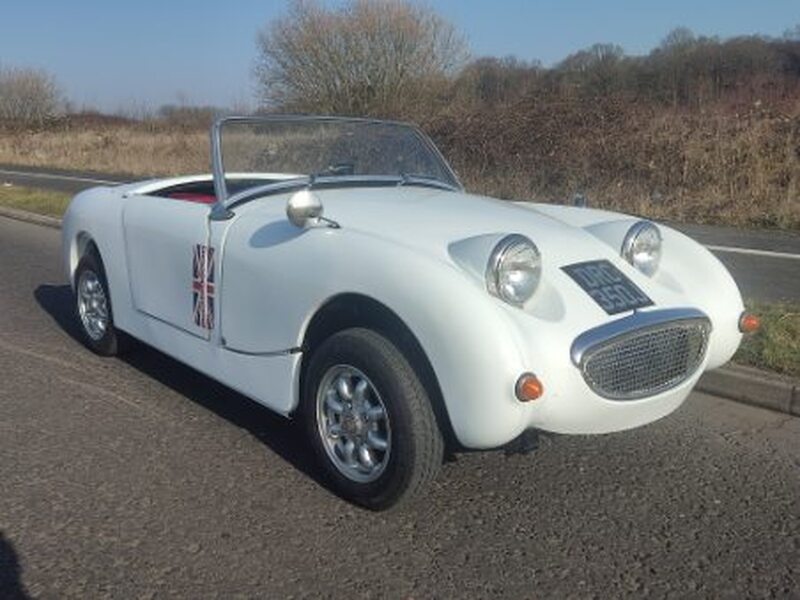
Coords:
28,96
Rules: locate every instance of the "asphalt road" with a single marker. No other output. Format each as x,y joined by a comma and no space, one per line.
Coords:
142,478
765,263
58,180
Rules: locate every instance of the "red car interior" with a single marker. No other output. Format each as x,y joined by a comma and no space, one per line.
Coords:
194,197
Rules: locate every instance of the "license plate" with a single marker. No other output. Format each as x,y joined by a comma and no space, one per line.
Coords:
607,285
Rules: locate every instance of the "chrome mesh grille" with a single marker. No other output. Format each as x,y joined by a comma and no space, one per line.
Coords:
648,361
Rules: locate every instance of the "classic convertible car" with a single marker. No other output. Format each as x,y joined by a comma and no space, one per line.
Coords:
408,315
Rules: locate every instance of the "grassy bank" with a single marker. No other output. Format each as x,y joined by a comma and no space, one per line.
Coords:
776,346
52,204
732,165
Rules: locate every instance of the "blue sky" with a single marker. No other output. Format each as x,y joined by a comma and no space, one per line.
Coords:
123,55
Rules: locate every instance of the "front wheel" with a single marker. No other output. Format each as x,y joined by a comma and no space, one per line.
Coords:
369,420
93,308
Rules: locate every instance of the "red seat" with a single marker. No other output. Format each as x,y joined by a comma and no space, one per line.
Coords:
194,197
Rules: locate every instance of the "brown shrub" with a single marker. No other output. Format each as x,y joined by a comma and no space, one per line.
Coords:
740,167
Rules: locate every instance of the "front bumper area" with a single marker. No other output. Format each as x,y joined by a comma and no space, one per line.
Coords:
653,359
570,405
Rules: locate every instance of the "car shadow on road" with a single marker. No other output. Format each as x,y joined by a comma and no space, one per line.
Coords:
11,587
282,436
56,300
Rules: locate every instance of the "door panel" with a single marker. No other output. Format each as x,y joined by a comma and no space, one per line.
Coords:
171,267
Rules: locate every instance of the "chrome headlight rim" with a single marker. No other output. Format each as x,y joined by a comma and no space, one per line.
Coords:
628,250
502,250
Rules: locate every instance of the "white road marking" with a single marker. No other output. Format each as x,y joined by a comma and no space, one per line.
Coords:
754,252
62,177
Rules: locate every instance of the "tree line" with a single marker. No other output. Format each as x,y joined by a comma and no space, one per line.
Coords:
393,58
685,70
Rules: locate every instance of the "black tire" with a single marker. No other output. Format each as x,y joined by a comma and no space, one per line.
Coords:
416,447
112,342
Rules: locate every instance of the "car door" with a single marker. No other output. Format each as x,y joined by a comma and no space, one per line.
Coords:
170,263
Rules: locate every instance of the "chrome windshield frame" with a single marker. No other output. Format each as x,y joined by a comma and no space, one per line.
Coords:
225,201
334,181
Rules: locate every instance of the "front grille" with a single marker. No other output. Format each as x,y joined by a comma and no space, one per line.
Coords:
645,362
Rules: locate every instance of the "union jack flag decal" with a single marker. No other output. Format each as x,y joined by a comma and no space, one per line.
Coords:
203,286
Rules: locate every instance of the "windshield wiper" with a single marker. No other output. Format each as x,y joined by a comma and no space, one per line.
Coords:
423,180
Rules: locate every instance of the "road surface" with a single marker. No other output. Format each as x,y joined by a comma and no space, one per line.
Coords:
765,264
142,478
58,180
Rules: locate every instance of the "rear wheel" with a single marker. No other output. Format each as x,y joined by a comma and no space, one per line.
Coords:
93,308
369,420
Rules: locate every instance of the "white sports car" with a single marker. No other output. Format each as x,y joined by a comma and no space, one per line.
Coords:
407,317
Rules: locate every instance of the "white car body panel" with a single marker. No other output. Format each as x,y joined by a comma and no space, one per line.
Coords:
422,254
156,235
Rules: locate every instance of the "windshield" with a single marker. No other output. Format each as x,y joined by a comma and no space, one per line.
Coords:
254,152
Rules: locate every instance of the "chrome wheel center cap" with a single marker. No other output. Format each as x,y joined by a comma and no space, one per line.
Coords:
352,425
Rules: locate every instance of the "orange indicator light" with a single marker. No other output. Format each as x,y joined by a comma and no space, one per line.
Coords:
529,387
749,323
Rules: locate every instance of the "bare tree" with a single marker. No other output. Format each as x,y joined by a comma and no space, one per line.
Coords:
492,81
28,96
366,57
597,69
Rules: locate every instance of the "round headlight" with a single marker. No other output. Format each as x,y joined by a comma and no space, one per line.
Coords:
514,269
642,247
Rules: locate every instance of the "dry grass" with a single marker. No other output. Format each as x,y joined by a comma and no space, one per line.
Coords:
116,149
44,203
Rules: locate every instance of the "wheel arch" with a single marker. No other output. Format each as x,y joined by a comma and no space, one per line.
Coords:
348,310
82,244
